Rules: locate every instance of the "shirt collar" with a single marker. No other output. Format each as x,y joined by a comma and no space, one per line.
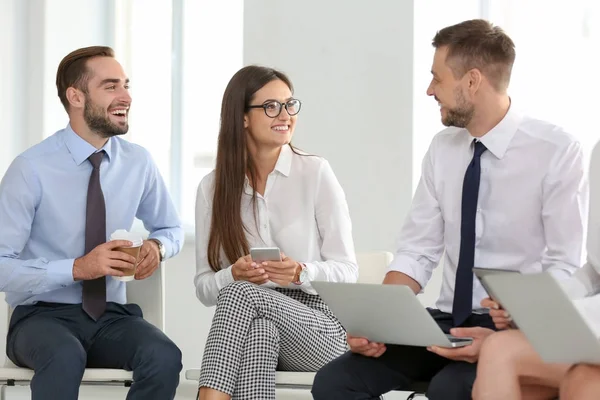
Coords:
283,166
284,162
80,149
499,137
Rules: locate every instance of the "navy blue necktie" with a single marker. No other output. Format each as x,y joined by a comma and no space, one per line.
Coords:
463,288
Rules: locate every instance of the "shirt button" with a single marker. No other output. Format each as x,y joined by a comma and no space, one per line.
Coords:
478,209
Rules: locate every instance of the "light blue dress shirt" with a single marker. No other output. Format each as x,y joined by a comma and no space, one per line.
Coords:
42,214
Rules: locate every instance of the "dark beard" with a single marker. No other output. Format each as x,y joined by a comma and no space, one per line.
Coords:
98,122
459,117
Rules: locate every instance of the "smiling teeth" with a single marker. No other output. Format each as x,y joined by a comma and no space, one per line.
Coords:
280,128
119,112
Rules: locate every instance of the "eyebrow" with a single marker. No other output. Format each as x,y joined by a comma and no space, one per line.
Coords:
286,100
112,80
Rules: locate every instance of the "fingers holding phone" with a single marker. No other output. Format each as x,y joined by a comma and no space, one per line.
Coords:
245,269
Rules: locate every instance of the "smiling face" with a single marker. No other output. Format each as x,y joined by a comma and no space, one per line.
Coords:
451,93
264,131
107,101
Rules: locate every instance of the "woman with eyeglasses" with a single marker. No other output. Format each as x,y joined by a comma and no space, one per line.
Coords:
266,193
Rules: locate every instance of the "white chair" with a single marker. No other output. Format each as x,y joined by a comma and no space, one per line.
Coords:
148,294
371,268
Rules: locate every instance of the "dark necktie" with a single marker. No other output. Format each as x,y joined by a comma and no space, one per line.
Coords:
94,291
463,288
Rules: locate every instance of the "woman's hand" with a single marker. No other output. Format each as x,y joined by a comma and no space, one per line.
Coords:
245,269
282,272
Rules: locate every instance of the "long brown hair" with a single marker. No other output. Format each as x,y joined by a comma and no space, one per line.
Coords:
234,161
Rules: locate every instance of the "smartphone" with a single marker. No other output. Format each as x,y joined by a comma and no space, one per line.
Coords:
480,273
260,254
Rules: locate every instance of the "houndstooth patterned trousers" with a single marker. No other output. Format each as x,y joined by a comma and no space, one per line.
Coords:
257,330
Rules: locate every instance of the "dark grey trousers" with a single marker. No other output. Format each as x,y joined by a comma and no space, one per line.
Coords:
58,341
355,377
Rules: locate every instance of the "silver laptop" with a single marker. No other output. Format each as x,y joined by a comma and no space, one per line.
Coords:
389,314
547,317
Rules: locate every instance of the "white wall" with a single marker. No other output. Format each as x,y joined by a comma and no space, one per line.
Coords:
351,65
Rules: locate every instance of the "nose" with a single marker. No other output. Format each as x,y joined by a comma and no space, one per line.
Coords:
430,91
125,96
284,115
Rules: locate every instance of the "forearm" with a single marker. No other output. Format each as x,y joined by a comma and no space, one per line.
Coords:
399,278
209,284
34,276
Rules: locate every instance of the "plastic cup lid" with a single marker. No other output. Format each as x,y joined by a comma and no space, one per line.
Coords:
122,234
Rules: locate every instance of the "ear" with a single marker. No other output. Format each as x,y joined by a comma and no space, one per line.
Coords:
75,97
475,79
246,122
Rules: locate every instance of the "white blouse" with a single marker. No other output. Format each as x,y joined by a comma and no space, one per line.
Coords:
303,212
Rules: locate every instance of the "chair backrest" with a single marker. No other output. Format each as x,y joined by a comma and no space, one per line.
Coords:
372,266
149,295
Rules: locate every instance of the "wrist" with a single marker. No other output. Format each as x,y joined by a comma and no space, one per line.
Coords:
77,266
160,248
299,275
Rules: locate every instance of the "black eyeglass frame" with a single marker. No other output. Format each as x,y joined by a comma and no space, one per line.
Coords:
281,106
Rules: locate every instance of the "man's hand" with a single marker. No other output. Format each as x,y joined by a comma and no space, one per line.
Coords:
103,260
245,269
501,318
362,346
282,272
469,353
148,260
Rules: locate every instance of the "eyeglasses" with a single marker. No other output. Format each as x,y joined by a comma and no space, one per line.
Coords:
273,108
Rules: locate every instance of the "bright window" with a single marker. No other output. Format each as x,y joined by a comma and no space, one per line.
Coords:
180,55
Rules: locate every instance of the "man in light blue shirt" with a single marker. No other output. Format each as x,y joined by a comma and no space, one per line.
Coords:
53,199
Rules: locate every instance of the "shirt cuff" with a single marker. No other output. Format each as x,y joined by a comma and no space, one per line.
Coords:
224,277
59,274
410,267
312,271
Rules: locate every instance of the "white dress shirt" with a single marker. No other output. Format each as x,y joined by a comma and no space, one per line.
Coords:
531,208
584,286
303,212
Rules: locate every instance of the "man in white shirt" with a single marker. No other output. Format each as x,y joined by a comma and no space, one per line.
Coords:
498,190
509,366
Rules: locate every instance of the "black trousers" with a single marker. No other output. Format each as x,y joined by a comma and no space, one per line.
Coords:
355,377
58,341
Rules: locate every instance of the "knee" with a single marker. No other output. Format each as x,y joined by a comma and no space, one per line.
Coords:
70,359
574,384
263,330
162,357
504,347
327,380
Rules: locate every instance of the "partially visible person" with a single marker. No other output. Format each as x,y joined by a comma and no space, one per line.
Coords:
582,382
59,202
509,367
498,190
266,193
